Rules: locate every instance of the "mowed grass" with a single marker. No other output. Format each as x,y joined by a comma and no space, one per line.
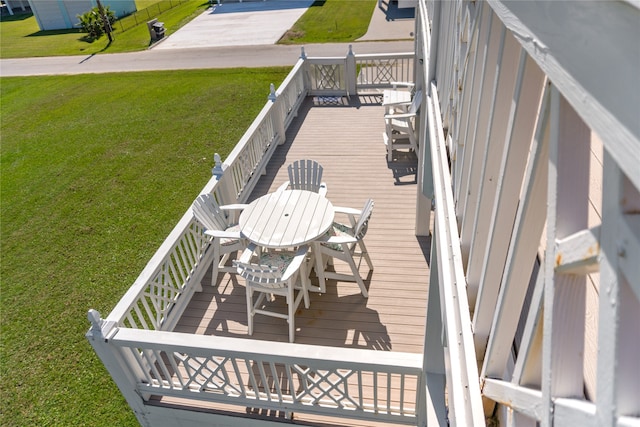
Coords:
325,21
20,36
332,21
96,170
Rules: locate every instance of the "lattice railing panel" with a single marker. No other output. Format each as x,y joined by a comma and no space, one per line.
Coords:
150,309
376,71
327,76
384,392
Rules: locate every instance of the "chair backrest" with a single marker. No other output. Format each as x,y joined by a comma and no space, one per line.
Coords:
305,175
363,222
415,103
208,212
264,275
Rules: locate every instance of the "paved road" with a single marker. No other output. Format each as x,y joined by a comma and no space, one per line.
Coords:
386,28
223,57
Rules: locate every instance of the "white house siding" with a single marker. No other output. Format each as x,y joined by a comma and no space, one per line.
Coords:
61,14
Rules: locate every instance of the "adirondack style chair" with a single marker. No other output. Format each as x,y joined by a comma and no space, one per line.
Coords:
305,175
345,242
274,273
400,127
223,230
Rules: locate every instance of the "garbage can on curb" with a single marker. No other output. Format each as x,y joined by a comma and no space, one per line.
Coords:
156,29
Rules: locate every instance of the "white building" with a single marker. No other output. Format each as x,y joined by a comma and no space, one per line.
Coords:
61,14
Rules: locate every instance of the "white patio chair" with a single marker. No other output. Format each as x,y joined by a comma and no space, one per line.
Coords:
305,175
398,98
220,225
345,242
274,273
400,128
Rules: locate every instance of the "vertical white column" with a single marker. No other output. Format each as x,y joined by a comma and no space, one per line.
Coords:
564,294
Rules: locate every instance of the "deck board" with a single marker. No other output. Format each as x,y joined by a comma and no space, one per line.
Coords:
346,138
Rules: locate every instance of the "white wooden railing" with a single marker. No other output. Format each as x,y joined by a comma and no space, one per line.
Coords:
534,144
145,358
355,74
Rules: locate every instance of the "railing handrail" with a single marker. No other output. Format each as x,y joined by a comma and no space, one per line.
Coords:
275,351
464,388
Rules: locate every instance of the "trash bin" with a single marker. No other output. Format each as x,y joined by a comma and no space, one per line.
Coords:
158,28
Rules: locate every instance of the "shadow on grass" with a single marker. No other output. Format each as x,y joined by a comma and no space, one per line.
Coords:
54,32
14,18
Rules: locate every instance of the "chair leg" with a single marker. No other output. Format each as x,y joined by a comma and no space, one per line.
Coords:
365,254
319,267
356,274
216,263
291,310
304,280
250,309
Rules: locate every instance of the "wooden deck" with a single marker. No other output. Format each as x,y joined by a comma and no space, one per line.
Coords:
345,136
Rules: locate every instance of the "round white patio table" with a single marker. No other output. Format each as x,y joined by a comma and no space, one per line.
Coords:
286,219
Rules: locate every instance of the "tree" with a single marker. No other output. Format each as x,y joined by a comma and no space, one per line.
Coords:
96,23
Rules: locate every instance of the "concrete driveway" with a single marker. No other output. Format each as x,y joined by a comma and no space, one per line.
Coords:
238,24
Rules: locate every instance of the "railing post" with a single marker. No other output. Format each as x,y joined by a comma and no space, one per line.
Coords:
224,187
305,70
351,73
276,115
98,336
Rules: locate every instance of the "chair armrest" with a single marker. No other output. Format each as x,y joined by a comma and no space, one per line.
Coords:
392,104
323,189
245,258
296,263
348,211
337,239
283,187
405,84
399,116
220,234
234,206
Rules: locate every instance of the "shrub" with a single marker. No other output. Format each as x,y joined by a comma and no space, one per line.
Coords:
93,22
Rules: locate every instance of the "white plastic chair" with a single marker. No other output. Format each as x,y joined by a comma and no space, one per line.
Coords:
400,128
274,273
345,242
305,175
398,98
223,230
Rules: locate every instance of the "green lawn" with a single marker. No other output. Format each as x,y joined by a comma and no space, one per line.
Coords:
20,36
96,170
332,21
326,21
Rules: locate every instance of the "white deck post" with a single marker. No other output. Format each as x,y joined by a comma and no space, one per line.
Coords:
564,295
352,73
433,352
618,375
98,335
276,116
